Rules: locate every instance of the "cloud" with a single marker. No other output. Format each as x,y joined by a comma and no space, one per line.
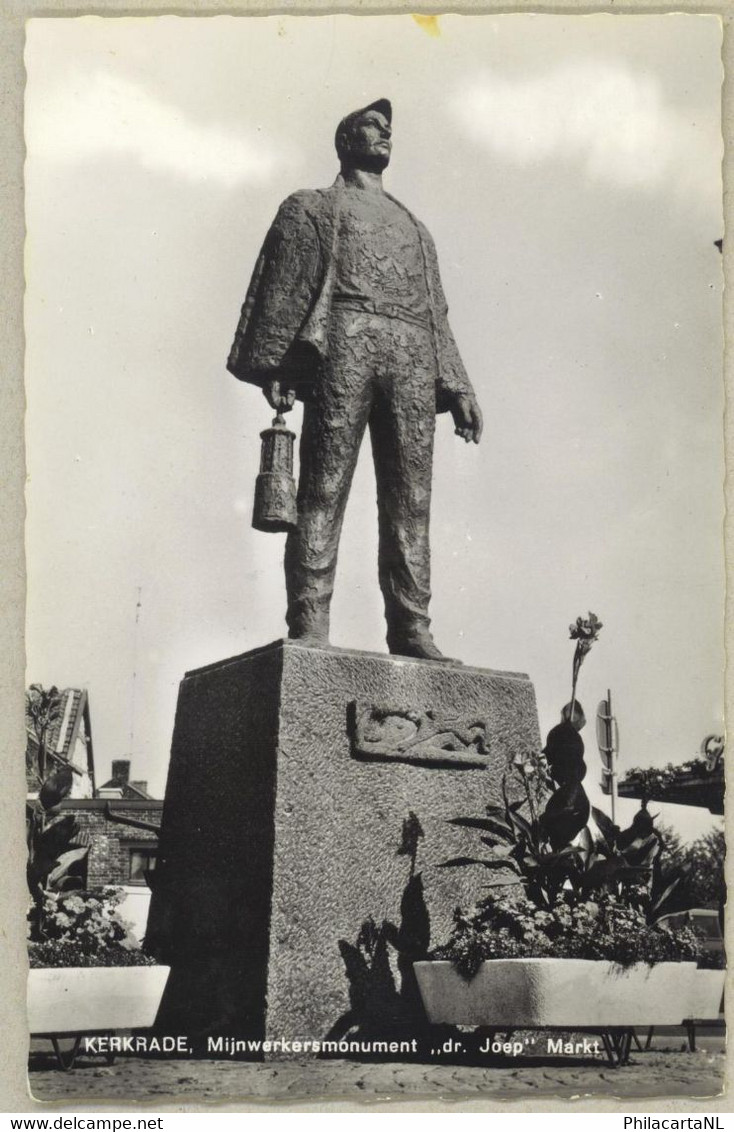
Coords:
112,115
611,120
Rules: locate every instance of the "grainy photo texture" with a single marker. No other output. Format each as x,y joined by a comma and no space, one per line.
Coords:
352,768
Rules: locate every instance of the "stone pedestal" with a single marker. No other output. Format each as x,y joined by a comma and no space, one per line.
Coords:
292,772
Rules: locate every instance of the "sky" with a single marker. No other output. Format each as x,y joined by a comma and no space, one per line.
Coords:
569,170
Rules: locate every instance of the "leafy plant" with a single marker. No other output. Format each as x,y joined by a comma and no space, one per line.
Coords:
617,862
606,928
622,862
519,844
85,929
712,961
51,953
54,856
68,927
43,708
655,779
52,853
567,892
537,846
701,865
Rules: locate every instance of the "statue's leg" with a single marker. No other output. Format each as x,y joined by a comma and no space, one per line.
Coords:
333,427
402,427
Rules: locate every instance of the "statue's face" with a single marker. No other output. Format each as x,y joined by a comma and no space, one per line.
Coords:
369,141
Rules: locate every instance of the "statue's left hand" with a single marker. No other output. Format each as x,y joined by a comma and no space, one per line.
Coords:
467,417
279,395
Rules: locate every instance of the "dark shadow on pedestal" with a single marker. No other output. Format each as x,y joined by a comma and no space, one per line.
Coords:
380,1009
272,847
210,908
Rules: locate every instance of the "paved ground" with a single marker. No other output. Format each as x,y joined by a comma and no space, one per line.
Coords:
664,1071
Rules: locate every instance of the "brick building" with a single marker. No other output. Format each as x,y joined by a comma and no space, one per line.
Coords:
118,853
120,827
118,821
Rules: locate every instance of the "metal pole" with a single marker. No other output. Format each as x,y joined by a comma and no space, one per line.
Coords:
612,755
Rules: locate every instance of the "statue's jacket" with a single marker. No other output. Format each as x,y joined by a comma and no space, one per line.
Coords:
283,330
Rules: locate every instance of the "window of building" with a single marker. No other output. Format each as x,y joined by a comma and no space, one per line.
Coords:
141,860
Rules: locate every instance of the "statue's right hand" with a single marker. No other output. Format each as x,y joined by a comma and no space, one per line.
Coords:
467,416
279,395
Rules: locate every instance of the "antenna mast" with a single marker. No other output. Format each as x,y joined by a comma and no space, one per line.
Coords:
138,607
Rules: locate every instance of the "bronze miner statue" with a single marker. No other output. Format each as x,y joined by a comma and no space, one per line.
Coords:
346,312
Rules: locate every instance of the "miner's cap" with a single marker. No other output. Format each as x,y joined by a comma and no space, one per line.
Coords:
382,106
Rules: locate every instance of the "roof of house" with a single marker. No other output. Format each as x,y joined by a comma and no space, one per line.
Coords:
64,731
130,790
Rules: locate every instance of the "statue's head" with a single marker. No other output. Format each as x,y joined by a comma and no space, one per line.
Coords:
363,137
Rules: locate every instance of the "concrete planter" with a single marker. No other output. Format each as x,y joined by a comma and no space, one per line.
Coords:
516,993
708,987
76,1000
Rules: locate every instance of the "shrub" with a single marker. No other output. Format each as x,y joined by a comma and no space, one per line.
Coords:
54,953
85,929
512,926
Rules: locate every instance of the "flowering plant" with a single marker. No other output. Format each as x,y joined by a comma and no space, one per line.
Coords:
584,632
53,953
85,929
571,927
520,850
561,890
564,892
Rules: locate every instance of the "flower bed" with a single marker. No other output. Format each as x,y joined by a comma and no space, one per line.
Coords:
563,993
77,1000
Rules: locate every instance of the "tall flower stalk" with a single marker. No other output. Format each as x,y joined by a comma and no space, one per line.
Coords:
584,633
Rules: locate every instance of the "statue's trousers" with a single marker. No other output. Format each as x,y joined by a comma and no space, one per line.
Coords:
379,372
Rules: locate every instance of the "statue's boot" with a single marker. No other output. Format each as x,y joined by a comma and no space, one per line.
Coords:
310,640
309,627
417,642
